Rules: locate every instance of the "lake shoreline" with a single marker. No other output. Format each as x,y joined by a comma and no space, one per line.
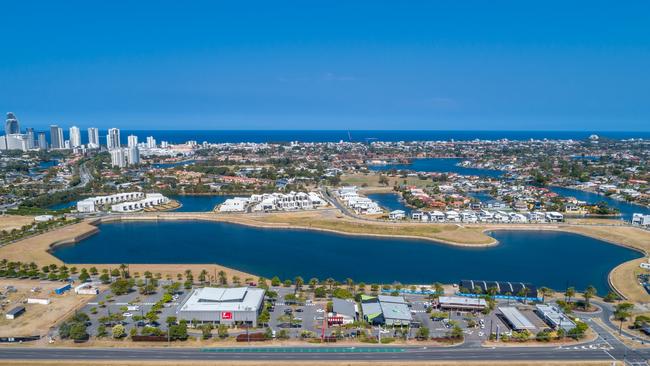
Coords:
90,227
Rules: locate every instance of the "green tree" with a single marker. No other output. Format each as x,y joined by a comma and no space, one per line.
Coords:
622,311
84,276
118,331
275,281
569,293
423,333
78,332
299,282
121,286
320,292
545,291
589,293
101,331
206,330
222,331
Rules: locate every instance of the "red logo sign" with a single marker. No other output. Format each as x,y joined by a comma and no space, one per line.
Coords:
226,315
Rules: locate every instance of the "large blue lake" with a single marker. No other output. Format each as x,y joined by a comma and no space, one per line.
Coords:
626,209
543,258
438,165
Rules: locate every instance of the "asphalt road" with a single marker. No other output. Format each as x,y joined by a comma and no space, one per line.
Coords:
411,354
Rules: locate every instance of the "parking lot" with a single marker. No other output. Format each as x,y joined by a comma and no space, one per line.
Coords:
129,305
305,317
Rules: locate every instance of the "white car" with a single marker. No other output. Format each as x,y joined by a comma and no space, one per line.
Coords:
320,310
127,315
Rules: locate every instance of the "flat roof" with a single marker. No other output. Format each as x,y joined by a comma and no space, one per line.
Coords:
16,310
392,299
224,299
343,307
370,308
516,318
398,311
464,301
554,316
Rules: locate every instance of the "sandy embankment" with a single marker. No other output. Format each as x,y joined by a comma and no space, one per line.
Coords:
36,249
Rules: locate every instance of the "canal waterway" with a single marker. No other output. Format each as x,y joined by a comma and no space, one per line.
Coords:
390,202
438,165
199,203
625,208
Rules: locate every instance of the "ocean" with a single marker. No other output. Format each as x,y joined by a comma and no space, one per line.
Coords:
223,136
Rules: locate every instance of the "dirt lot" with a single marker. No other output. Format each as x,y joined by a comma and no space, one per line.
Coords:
10,222
372,180
37,319
624,279
34,249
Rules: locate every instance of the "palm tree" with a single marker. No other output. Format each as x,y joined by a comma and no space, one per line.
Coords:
350,284
524,293
362,287
588,294
298,281
223,279
202,275
621,313
439,290
313,283
570,292
330,282
123,268
492,290
545,291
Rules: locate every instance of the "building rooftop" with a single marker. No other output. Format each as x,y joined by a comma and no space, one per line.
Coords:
391,299
344,307
555,317
16,310
224,299
459,300
516,318
392,310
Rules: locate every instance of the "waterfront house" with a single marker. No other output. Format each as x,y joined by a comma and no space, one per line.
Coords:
517,218
452,216
237,204
554,217
437,216
641,219
397,215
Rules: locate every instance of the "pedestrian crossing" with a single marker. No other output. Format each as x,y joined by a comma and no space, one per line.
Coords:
600,346
282,304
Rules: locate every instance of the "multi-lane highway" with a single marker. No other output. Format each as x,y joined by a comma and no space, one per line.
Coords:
405,354
605,347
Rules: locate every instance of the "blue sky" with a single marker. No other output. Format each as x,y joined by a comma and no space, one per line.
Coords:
567,65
